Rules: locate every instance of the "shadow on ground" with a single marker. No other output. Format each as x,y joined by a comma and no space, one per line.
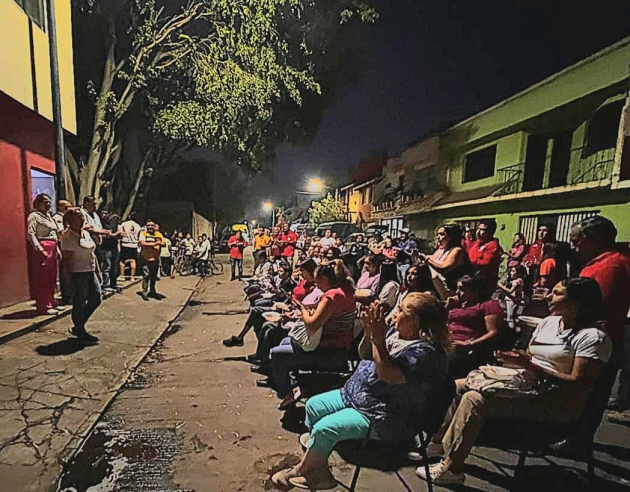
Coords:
62,347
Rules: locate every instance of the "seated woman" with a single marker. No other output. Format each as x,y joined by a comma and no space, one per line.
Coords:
566,349
449,261
279,286
399,380
418,279
334,316
369,279
270,334
474,324
388,286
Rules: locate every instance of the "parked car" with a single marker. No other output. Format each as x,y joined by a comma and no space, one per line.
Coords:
343,229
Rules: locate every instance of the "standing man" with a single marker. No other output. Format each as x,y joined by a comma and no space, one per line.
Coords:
65,277
203,251
109,253
62,208
288,240
94,226
406,248
534,256
485,254
327,241
261,242
78,256
593,241
151,242
237,244
129,245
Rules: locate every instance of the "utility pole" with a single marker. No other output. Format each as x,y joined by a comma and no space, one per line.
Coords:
60,158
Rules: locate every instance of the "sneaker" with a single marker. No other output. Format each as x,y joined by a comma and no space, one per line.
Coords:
88,339
52,312
262,370
253,359
72,333
233,342
434,450
440,474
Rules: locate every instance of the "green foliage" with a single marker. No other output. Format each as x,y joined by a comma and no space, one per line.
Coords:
326,210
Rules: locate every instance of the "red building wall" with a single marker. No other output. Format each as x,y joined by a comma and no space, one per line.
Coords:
26,142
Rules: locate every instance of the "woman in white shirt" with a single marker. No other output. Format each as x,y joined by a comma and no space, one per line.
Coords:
42,233
78,255
566,350
388,286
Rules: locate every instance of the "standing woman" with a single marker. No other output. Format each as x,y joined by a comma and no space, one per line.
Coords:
517,251
78,256
448,262
42,233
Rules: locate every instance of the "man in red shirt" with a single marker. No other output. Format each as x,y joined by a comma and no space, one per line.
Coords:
485,254
287,241
237,244
593,241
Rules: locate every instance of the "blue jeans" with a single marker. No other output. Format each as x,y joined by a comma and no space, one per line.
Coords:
289,357
86,297
330,421
234,264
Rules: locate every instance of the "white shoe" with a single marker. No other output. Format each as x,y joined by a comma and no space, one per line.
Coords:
52,312
304,440
434,450
61,309
440,474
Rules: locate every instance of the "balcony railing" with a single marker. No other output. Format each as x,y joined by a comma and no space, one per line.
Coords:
510,179
596,167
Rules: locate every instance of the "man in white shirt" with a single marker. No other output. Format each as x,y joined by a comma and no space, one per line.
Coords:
129,244
327,241
203,251
62,208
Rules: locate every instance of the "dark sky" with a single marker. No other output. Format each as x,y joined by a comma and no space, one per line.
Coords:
431,61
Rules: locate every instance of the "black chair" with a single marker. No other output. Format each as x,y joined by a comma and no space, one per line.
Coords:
390,457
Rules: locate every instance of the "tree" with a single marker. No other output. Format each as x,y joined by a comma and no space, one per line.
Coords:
326,210
214,73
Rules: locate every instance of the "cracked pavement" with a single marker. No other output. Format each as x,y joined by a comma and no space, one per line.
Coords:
52,390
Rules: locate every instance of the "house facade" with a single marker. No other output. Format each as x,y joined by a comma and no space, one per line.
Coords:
356,200
27,134
552,154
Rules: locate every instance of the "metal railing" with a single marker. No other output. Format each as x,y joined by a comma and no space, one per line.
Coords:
596,167
510,179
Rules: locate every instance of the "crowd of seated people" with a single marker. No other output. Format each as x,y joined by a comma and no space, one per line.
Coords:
423,325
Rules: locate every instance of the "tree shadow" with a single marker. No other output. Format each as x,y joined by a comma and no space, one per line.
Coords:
62,347
229,312
24,314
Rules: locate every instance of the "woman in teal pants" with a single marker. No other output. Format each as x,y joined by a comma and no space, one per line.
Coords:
399,369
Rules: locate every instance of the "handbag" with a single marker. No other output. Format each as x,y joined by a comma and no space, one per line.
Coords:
307,342
504,382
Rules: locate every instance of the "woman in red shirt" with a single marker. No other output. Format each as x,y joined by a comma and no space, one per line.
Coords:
335,316
474,323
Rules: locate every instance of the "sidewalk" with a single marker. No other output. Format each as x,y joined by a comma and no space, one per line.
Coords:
52,390
22,318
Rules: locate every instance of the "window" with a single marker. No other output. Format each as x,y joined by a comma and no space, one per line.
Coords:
480,164
36,10
43,183
560,159
603,128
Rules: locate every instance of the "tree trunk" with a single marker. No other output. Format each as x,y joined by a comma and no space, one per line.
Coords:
136,187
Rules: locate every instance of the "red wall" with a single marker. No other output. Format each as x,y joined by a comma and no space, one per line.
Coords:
26,141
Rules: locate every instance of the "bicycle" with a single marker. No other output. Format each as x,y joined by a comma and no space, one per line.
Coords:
184,264
214,268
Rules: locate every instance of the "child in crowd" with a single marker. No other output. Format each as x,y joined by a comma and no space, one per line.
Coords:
513,289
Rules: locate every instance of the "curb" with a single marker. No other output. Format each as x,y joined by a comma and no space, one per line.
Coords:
46,321
72,449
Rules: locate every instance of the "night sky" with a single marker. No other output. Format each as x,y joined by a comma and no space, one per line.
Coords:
436,61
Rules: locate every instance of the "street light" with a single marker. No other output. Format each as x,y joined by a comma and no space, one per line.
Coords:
268,207
315,185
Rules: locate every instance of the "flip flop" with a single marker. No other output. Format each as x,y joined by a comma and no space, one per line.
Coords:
280,479
306,484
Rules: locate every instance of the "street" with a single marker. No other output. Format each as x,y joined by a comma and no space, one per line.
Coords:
190,417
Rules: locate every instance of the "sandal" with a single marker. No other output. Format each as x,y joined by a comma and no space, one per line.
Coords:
281,478
321,483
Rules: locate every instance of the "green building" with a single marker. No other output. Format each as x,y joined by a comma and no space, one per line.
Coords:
551,154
